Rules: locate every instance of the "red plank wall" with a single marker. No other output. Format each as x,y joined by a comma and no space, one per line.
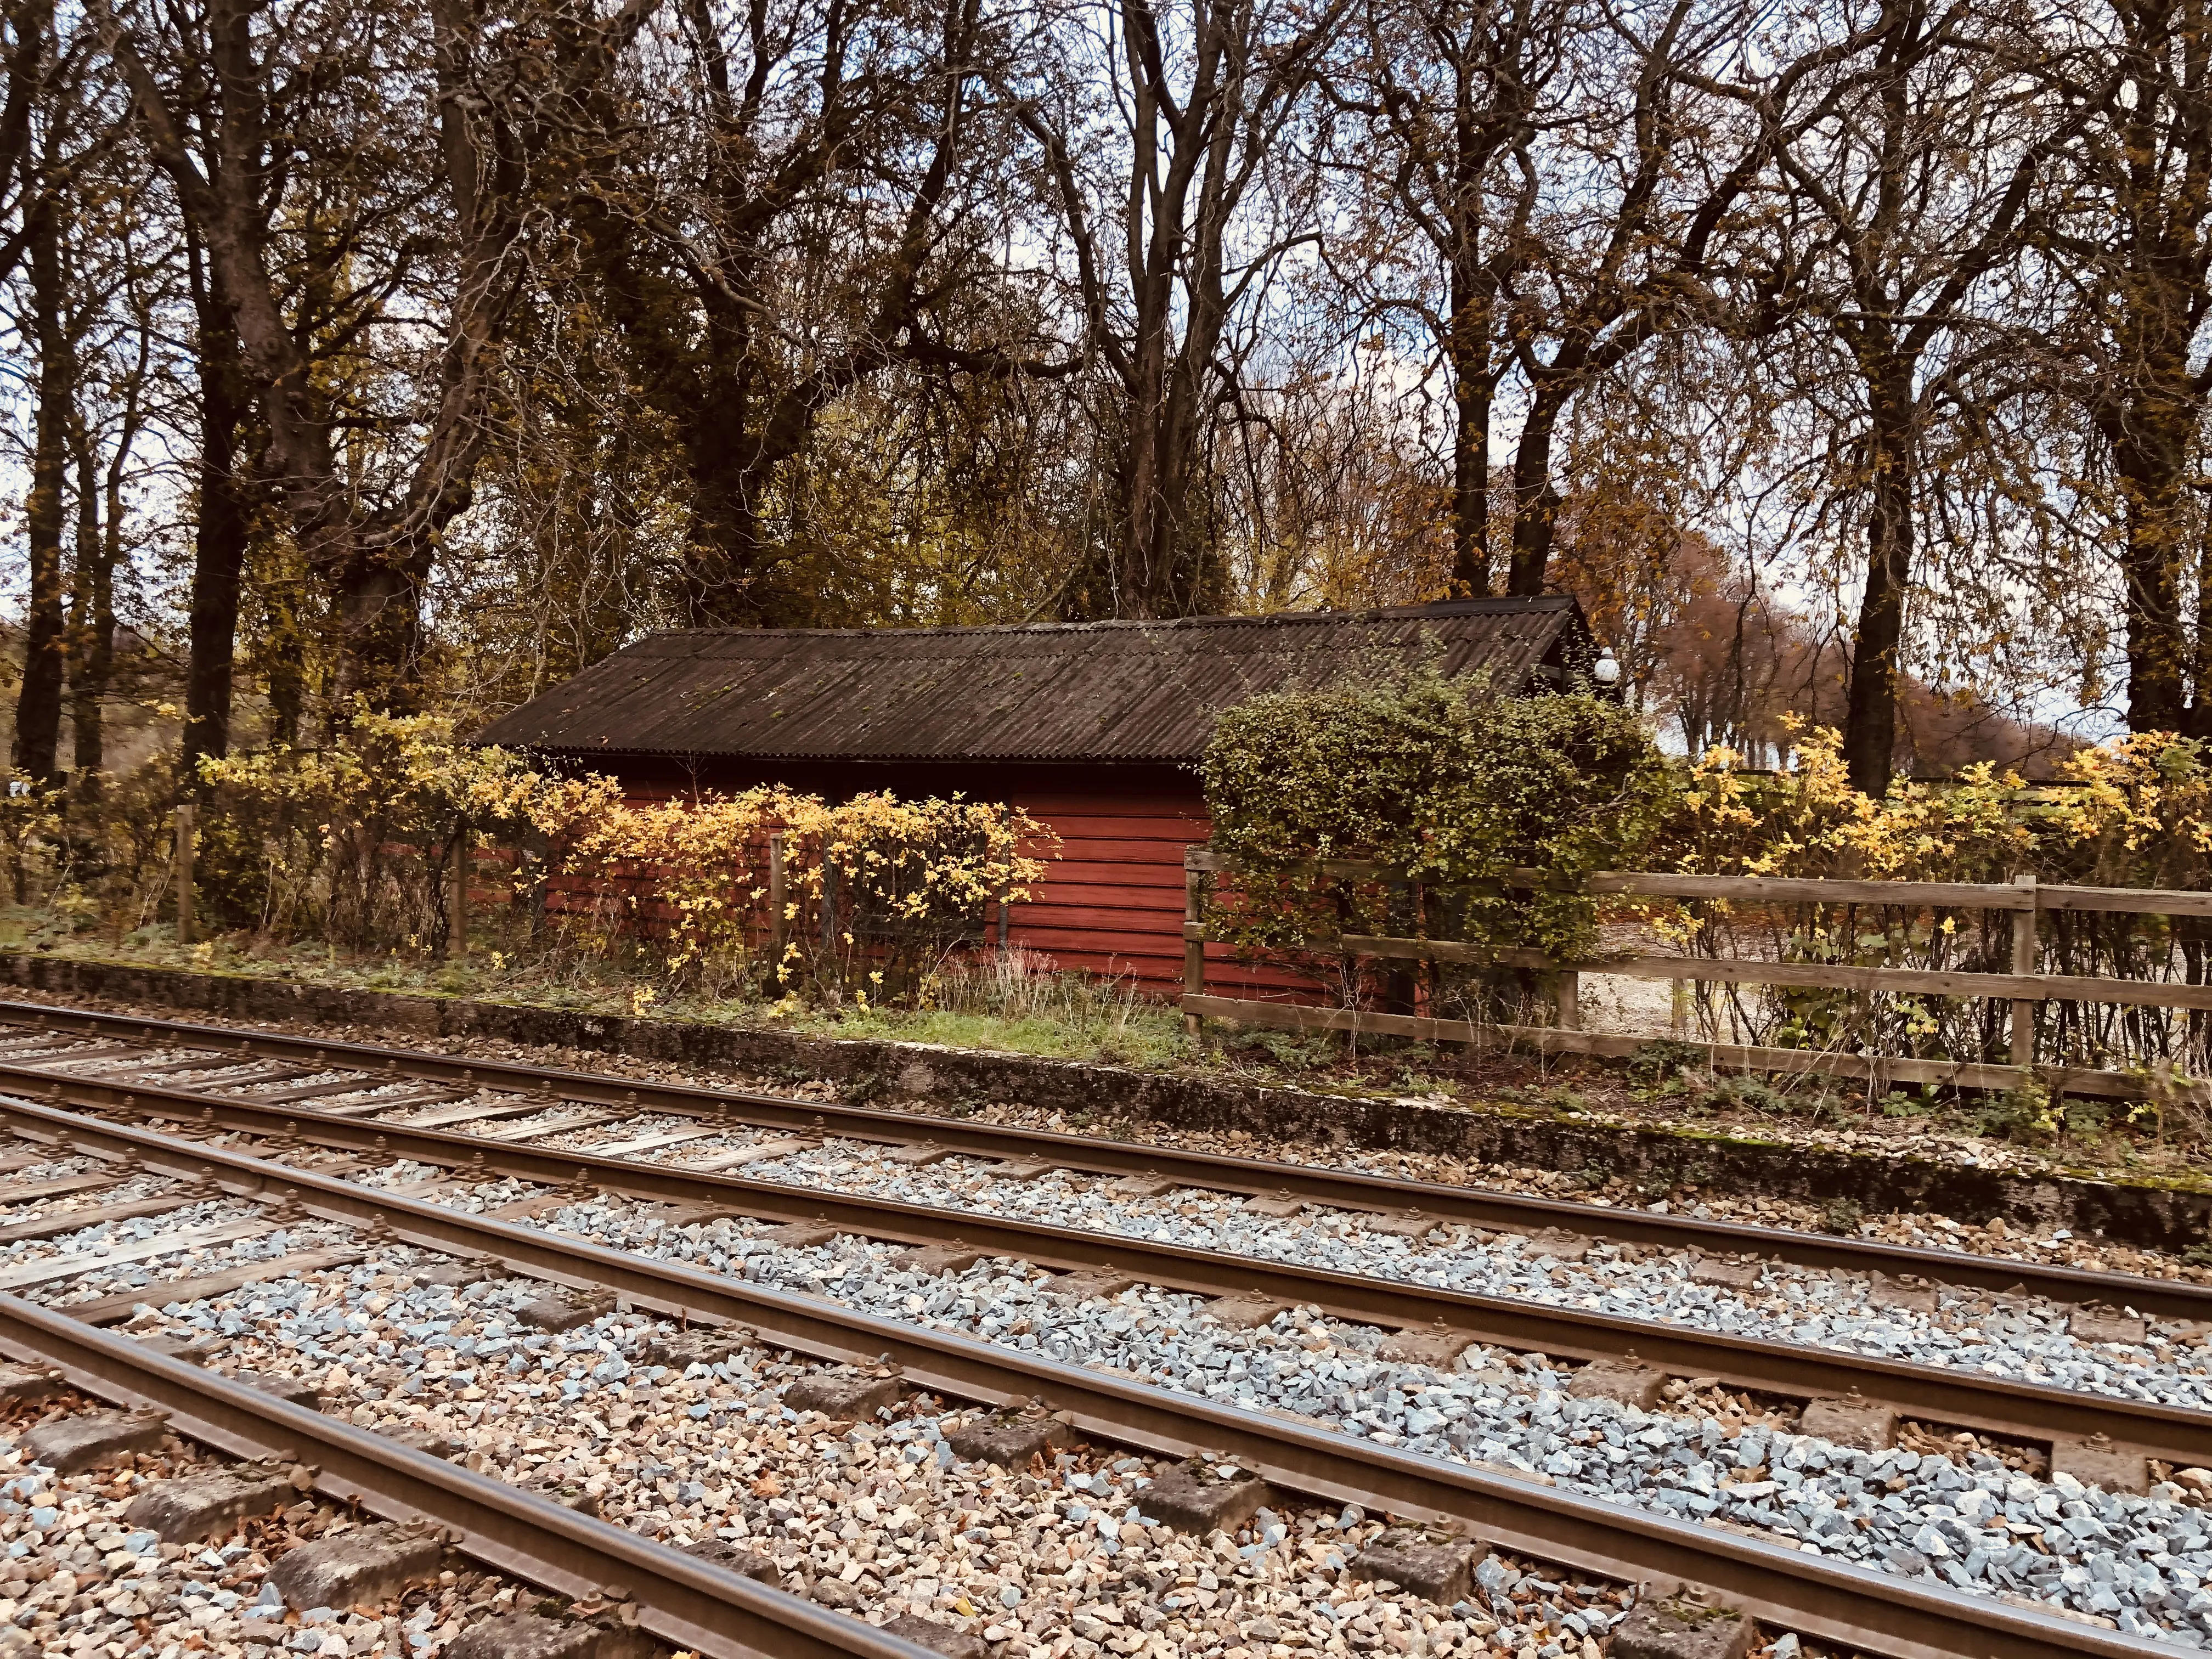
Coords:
1113,902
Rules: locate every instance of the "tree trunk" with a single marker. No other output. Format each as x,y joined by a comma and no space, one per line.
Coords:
1468,345
39,704
1537,499
377,607
220,537
1870,711
92,631
2152,456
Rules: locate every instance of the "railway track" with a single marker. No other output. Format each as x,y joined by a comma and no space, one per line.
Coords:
136,1039
686,1601
1815,1597
2089,1433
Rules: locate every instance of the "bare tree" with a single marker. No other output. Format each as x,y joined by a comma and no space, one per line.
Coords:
38,701
1207,99
1903,172
801,223
1454,97
2126,253
497,100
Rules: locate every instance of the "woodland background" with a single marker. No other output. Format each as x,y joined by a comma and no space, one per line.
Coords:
1843,357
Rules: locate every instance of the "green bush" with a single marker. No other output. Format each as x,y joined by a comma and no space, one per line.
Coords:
1448,786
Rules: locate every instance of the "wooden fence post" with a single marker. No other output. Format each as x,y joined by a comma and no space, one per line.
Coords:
1194,950
2023,961
187,836
775,899
835,993
1567,1000
457,895
536,849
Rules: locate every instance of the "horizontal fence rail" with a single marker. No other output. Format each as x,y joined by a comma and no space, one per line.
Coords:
2022,894
2025,898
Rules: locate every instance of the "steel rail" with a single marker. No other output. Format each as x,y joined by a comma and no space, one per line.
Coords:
1953,1396
1328,1188
1820,1598
687,1602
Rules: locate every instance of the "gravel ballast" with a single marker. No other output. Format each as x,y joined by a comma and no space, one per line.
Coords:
434,1357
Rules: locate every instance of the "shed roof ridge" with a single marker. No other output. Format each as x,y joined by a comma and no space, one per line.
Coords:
1494,605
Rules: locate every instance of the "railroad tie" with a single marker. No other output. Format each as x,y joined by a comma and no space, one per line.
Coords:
567,1310
69,1221
708,1345
937,1260
1556,1244
938,1638
210,1504
1850,1421
113,1309
529,1209
846,1396
2099,1461
456,1275
534,1636
1626,1380
1431,1563
1204,1497
1011,1437
765,1152
1410,1223
654,1142
186,1350
429,1442
1247,1310
68,1444
369,1564
744,1560
2095,1322
918,1155
1738,1275
1151,1184
1090,1284
62,1186
1435,1346
800,1235
30,1385
1907,1294
1686,1626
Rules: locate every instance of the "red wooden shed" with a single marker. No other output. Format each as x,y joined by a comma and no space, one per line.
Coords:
1094,728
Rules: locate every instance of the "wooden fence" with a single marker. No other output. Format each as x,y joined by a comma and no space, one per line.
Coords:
2024,897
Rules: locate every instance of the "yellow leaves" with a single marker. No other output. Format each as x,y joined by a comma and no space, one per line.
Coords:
695,875
2123,814
411,774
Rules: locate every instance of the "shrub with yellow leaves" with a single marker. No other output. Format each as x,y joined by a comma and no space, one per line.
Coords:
2133,813
877,890
352,843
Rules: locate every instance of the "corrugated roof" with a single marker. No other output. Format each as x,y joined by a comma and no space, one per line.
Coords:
1070,691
